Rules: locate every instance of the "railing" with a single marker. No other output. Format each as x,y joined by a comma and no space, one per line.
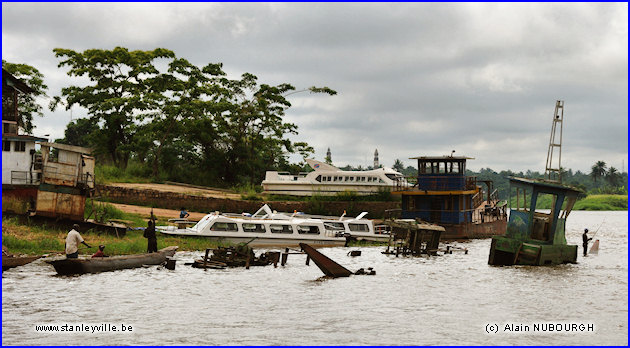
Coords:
23,178
464,215
50,175
439,183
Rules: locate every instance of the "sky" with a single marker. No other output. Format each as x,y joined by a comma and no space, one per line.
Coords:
413,79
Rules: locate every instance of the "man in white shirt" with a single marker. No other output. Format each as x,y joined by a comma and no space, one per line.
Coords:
72,242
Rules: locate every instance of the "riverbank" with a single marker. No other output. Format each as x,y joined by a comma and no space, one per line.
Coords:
602,202
22,239
40,240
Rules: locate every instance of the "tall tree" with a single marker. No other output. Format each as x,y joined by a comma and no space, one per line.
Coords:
124,87
398,166
598,170
613,176
27,104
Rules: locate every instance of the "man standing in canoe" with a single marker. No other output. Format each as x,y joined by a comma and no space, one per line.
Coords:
72,242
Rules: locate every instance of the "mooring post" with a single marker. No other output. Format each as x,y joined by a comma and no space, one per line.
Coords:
249,260
284,259
205,259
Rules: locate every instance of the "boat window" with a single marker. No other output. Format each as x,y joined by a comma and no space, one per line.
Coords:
224,227
358,227
347,178
6,145
257,228
362,178
308,229
280,229
423,167
352,178
318,178
391,176
335,226
381,181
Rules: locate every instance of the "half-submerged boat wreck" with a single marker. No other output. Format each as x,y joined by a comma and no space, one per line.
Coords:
444,195
113,263
536,236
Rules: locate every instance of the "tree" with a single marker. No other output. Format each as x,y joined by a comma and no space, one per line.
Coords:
252,130
27,105
124,87
398,166
613,177
80,132
598,170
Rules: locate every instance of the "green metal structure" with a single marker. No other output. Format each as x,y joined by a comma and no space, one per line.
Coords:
535,237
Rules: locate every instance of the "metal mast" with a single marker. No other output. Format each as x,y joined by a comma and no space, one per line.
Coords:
552,171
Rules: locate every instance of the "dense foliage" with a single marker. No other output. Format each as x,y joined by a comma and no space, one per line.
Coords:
176,121
27,105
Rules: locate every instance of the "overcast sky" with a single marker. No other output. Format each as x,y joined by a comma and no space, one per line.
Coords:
412,79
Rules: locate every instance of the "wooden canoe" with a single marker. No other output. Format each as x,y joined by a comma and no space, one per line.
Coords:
14,261
104,264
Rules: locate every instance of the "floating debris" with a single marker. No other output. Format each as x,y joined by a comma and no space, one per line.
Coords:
413,237
330,267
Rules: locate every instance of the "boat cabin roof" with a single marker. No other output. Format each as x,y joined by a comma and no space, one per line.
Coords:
543,184
442,158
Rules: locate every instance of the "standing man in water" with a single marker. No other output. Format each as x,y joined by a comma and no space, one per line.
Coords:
585,240
72,242
149,234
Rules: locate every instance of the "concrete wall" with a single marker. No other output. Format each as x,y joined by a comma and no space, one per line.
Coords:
170,200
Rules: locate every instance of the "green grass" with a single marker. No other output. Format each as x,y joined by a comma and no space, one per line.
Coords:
591,202
603,202
38,240
134,173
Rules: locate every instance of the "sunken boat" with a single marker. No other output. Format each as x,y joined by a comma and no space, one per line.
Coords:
9,262
446,196
535,236
113,263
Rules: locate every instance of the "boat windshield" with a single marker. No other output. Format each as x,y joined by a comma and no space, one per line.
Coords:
334,226
203,223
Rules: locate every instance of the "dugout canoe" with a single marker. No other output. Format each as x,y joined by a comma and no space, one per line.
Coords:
104,264
14,261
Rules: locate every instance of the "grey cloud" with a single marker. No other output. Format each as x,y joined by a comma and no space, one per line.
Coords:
413,79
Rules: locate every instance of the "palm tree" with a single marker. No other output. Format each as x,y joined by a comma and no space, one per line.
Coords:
398,166
598,170
613,176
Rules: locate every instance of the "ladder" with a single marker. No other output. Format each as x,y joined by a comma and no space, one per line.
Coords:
552,170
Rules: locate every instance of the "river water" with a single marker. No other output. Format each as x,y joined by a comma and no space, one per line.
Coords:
446,300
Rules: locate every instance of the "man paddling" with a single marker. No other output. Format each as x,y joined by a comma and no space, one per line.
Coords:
585,240
72,242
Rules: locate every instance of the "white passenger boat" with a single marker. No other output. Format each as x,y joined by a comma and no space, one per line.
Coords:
329,180
269,228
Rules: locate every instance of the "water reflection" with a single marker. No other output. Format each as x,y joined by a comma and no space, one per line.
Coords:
444,300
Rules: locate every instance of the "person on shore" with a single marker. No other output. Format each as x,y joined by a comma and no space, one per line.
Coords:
585,240
183,214
72,242
149,234
100,252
